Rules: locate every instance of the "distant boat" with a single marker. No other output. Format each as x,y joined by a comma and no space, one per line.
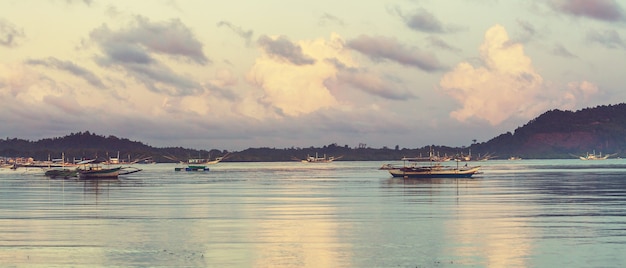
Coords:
515,158
594,156
192,168
200,161
317,159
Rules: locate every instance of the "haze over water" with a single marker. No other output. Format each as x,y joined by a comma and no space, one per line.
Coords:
528,213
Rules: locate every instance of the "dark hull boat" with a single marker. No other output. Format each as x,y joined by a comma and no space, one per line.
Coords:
192,168
435,171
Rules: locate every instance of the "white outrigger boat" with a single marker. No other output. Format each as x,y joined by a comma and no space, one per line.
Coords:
90,170
317,159
434,170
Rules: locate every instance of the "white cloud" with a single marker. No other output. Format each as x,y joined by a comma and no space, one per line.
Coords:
499,89
507,84
299,89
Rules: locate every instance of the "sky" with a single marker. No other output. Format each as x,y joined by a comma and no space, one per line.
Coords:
237,74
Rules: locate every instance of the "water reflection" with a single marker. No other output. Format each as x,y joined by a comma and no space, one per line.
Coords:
99,186
340,215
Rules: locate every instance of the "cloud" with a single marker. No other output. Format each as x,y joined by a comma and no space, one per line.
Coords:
560,50
422,20
585,88
503,87
328,18
283,49
69,106
375,84
134,50
604,10
170,38
437,42
246,35
384,86
608,38
70,67
292,89
528,31
382,48
507,86
9,34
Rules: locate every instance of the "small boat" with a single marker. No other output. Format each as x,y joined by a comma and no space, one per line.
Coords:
205,161
434,171
61,173
91,170
317,159
594,156
192,168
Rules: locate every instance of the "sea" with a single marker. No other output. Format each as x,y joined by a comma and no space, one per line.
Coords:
523,213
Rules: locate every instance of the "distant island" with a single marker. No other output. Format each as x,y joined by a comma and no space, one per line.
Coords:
554,134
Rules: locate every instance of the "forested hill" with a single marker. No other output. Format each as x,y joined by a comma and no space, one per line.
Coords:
554,134
89,145
558,134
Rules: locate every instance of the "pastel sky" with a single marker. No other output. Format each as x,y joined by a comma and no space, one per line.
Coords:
237,74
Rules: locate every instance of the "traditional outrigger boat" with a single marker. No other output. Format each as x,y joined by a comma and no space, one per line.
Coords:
61,173
192,168
594,156
198,164
434,171
91,170
317,159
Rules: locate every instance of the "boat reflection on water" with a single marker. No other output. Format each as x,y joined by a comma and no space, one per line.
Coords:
100,186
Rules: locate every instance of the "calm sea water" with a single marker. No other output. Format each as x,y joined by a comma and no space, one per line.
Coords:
528,213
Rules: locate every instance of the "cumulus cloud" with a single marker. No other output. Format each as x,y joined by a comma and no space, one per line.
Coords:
608,38
282,49
604,10
296,89
585,89
68,66
499,89
9,34
507,85
134,50
382,48
29,97
246,35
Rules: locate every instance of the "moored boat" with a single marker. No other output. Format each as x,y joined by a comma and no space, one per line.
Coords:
434,171
317,159
91,170
594,156
192,168
61,173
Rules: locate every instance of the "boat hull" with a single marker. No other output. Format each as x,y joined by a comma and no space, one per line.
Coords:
192,168
61,173
428,173
104,173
